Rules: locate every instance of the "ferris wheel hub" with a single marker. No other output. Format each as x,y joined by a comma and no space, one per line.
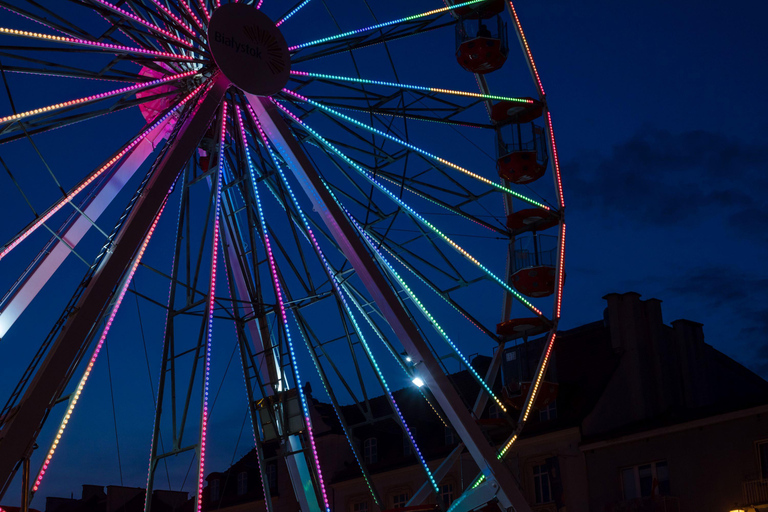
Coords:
249,49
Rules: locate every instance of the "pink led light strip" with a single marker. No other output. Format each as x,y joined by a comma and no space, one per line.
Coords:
181,24
91,44
76,395
143,22
279,296
55,208
528,54
211,304
96,97
192,15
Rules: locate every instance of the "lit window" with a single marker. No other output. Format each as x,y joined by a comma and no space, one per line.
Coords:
446,494
399,500
494,411
272,477
549,412
450,438
360,506
370,451
215,490
645,480
242,483
541,488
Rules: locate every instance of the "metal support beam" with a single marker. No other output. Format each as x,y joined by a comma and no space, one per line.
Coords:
354,249
20,431
72,236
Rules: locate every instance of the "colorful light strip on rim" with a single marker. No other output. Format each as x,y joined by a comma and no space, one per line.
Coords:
96,97
527,48
443,161
92,44
284,316
42,219
385,24
78,391
412,212
338,78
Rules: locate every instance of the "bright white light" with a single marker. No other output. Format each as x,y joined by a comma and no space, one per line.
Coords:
418,382
408,359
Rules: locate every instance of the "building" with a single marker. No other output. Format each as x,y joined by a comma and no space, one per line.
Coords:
646,416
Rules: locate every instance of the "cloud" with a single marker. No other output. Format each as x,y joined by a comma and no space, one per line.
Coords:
662,178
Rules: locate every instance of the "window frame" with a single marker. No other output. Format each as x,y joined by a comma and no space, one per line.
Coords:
551,411
763,472
636,474
242,483
540,476
215,492
371,450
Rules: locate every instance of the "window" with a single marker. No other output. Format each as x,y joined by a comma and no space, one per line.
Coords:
242,483
511,355
446,494
762,454
549,412
541,488
645,480
494,411
400,499
360,506
215,490
370,451
272,477
450,438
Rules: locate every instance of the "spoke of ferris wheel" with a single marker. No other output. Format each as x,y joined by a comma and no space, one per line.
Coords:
411,212
290,13
75,395
334,279
432,286
73,31
179,23
63,74
176,40
382,259
107,47
96,97
522,101
204,7
385,24
442,161
15,241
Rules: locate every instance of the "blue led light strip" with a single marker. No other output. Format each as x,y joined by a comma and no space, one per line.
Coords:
412,212
408,145
385,24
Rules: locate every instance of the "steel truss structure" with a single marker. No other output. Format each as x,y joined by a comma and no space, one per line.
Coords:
350,226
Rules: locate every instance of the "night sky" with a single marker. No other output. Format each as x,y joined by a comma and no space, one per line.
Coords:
661,120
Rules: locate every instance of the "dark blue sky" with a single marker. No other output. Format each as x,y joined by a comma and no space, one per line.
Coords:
660,117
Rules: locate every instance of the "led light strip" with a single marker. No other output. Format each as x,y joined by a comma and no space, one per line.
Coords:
385,24
39,222
92,44
422,308
78,391
527,48
556,160
294,11
417,149
413,87
204,7
412,212
211,305
95,97
141,21
181,24
284,315
187,8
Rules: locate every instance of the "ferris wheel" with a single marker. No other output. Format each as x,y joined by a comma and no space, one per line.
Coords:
366,191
